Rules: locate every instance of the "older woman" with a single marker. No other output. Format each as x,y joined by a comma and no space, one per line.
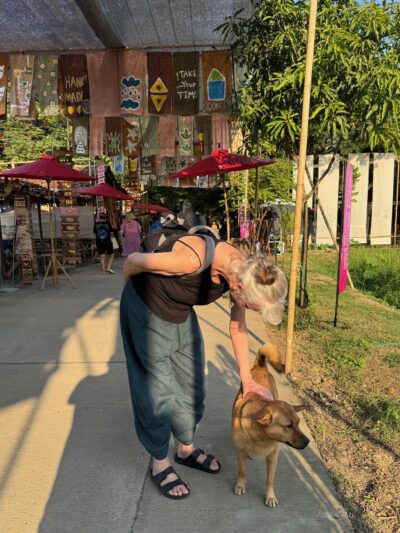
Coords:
131,231
164,346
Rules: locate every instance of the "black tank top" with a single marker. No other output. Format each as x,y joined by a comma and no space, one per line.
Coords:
173,297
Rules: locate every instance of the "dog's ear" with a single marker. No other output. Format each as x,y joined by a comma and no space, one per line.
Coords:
258,410
298,408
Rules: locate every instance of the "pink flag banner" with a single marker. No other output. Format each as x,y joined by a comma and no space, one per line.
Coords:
345,241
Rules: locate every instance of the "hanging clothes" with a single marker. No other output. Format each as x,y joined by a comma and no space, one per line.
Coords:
220,132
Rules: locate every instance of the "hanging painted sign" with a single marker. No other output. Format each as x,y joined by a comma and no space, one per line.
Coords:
186,79
160,83
46,84
131,137
101,173
113,136
118,164
217,81
3,84
220,132
132,75
80,135
21,74
146,167
103,83
149,135
185,129
167,135
74,85
345,240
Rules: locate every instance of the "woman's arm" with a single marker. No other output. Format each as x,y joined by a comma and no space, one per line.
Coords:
240,343
179,261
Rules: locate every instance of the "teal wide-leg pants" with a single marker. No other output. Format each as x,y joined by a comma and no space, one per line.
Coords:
165,364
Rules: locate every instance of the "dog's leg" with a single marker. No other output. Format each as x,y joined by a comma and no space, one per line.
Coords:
272,463
240,486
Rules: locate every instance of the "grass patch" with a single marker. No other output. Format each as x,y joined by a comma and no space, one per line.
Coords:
375,271
381,415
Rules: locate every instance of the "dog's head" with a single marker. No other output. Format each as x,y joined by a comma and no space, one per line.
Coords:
278,420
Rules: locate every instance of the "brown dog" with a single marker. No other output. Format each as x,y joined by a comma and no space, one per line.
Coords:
259,425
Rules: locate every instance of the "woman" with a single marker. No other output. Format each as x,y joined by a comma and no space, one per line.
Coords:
164,346
131,232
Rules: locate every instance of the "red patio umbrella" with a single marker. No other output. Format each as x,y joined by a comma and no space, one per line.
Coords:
103,189
220,162
152,208
49,169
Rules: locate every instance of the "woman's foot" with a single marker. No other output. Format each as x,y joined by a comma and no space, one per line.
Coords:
158,467
183,451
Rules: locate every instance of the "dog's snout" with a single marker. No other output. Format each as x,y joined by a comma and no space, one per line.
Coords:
306,442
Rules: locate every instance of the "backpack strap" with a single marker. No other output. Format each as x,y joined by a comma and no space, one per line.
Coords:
208,259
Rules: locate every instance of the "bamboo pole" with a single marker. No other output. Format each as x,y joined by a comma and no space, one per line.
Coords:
300,183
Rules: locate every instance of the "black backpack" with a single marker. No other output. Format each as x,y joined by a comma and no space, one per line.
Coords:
187,222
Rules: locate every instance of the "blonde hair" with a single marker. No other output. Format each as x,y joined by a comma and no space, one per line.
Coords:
129,216
264,285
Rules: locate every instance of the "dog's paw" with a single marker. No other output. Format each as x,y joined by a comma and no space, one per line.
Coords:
271,501
239,489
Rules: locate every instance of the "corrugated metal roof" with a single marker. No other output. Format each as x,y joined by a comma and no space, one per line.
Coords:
46,25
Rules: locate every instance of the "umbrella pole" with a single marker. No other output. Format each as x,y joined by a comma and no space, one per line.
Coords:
228,225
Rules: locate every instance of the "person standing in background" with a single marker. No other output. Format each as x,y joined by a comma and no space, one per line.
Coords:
103,230
131,232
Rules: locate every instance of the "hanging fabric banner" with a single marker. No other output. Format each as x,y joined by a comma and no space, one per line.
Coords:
118,164
73,85
80,135
170,165
217,81
132,75
131,137
21,75
46,84
185,129
204,135
167,135
103,84
96,135
160,83
113,136
149,135
220,132
3,85
186,79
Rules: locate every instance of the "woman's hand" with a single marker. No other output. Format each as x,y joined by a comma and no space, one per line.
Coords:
252,386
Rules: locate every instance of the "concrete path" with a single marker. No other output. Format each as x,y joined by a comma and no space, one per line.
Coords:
69,458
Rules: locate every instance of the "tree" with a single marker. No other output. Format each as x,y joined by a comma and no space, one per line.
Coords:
355,101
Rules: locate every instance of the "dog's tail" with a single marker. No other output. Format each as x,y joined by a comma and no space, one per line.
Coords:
269,351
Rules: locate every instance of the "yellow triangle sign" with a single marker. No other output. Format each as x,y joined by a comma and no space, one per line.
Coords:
158,100
158,87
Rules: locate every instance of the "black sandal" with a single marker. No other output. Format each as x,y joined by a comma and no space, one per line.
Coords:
159,478
192,462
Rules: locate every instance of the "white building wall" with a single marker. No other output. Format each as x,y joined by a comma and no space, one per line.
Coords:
382,199
358,224
328,197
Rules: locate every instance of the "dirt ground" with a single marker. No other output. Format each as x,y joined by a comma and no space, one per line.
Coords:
366,471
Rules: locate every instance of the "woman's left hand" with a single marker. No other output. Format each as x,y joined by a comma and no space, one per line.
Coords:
253,386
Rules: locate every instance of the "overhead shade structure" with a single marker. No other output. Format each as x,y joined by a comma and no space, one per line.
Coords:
103,189
49,169
220,162
152,208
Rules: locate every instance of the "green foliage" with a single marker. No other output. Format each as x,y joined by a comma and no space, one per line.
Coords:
205,201
393,360
26,141
355,99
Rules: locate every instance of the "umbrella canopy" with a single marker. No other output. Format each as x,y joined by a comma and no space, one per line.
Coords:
221,161
153,208
103,189
46,168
